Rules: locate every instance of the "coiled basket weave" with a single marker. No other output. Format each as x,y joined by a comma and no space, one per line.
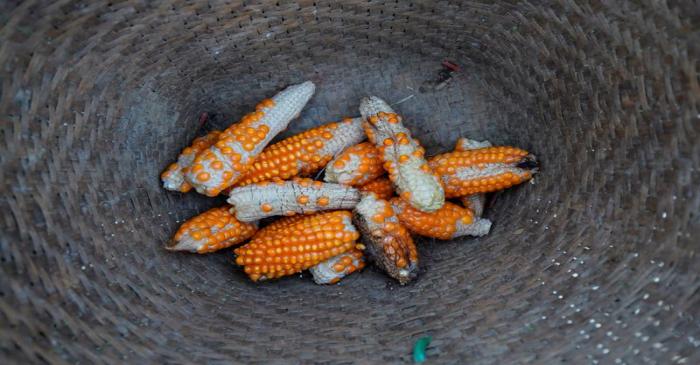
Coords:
596,262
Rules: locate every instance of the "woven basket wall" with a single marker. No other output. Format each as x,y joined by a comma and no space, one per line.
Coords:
597,262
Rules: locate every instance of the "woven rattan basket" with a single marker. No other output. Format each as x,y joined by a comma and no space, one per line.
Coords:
596,262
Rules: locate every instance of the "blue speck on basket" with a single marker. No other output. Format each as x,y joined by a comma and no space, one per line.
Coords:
419,349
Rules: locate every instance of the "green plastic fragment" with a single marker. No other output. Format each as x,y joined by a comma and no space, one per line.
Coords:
419,348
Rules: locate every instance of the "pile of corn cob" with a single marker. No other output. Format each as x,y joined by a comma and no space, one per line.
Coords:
374,196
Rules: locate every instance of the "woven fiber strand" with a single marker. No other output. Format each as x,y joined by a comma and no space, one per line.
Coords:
596,262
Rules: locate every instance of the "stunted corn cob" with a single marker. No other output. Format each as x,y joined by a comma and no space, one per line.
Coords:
174,176
297,245
210,231
483,170
304,153
223,164
466,144
448,222
402,155
475,203
356,166
334,269
389,244
381,187
302,196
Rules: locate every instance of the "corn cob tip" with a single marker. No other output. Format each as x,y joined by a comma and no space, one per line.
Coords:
174,245
466,144
475,202
529,162
479,228
370,105
210,231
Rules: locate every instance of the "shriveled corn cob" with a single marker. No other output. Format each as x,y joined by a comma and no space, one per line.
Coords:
388,242
299,196
448,222
297,245
483,170
334,269
475,203
381,187
211,231
174,176
304,153
466,144
402,155
223,164
356,166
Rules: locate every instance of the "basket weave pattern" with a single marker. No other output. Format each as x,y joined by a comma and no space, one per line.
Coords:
596,261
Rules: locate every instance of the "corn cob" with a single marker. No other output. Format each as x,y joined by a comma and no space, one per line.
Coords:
223,164
389,244
210,231
334,269
356,166
483,170
466,144
475,203
174,176
402,155
297,245
381,187
304,153
448,222
300,196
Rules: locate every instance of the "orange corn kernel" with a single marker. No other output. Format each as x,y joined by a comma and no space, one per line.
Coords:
382,187
227,160
301,195
336,268
448,222
303,154
483,170
356,166
174,176
402,155
211,231
297,244
388,242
